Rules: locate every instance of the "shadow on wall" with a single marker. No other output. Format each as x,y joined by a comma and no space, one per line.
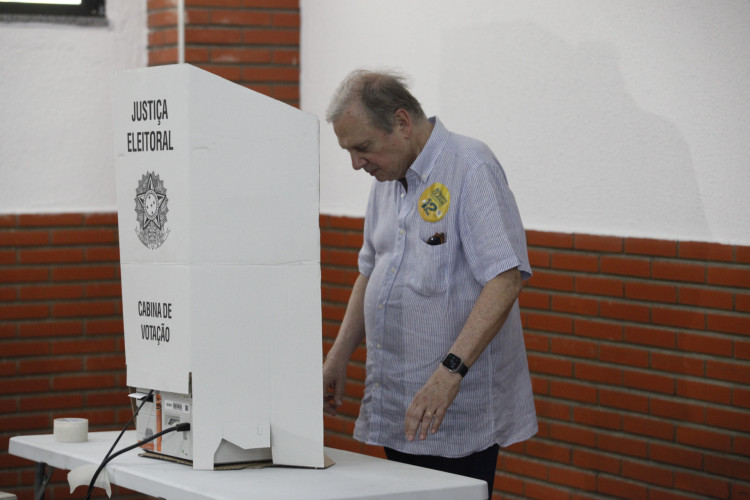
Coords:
579,152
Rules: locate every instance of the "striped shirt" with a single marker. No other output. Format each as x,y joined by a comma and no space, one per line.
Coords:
419,296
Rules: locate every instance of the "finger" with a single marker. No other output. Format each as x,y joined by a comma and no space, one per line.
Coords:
425,424
329,405
338,392
412,422
411,428
436,421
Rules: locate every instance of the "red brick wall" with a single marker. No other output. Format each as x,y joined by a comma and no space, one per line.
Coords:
62,350
254,43
639,354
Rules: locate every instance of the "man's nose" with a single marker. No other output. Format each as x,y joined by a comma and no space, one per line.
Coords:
358,161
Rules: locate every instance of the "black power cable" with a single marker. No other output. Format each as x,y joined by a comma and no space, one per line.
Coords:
179,427
135,413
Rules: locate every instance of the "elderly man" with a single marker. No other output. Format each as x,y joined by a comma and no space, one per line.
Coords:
443,262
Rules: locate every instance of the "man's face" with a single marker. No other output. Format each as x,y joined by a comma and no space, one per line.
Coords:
382,155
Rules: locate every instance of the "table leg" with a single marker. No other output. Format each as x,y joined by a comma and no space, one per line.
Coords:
42,475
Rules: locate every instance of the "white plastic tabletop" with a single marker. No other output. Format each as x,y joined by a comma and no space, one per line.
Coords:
354,476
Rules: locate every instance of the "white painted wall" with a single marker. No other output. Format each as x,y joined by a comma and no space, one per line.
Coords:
622,118
56,152
612,118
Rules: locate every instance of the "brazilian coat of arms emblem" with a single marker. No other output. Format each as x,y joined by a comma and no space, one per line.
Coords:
151,211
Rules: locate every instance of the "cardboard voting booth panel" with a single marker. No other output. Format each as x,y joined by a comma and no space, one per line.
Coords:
218,200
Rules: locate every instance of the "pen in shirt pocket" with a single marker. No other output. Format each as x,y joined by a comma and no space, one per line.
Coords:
436,239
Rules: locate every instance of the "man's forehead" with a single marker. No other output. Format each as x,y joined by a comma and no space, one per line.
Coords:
352,128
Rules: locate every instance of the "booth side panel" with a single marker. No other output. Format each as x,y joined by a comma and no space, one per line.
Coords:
296,373
254,170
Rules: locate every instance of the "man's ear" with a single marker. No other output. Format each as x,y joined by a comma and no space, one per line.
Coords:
402,123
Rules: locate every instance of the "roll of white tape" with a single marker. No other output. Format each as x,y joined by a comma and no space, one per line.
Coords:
71,430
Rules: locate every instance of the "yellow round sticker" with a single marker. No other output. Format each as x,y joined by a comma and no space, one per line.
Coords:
434,202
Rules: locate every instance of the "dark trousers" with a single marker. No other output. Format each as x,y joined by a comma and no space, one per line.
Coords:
479,465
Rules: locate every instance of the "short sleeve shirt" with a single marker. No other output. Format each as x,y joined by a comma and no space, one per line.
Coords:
419,296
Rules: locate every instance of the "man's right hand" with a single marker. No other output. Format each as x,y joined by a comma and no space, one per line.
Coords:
351,334
334,382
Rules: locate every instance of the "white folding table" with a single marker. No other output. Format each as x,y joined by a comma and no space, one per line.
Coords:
354,476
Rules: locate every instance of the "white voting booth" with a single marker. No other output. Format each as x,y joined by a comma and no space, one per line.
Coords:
218,200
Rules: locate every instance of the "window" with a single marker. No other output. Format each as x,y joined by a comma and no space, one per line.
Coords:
46,8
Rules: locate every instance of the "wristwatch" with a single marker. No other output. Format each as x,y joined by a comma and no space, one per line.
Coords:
455,364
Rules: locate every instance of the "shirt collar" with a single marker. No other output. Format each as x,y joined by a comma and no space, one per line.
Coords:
422,166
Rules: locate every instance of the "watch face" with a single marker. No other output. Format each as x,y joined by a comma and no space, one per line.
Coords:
452,362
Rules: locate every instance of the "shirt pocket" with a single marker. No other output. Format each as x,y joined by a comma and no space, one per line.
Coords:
431,265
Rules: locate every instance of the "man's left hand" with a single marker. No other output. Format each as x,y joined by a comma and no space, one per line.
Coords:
429,405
